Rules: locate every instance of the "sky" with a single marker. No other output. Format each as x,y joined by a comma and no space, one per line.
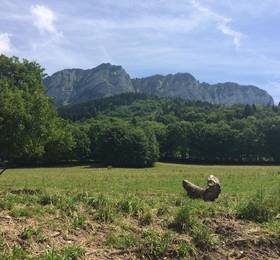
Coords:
216,41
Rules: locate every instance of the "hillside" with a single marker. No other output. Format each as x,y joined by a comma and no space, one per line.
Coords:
76,86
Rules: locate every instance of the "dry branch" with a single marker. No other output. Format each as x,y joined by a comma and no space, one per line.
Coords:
2,171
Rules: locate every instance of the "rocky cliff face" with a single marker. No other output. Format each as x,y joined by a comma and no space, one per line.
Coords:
76,85
232,93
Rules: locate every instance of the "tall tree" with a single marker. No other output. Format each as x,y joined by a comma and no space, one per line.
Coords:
27,116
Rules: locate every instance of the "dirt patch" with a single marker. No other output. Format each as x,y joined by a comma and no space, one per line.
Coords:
243,240
237,239
26,191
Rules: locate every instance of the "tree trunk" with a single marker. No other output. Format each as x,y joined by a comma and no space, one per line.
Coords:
210,193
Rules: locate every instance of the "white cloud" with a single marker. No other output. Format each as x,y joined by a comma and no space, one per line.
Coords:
222,23
43,18
236,36
146,22
5,43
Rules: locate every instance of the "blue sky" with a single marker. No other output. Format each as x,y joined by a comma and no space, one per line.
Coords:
216,41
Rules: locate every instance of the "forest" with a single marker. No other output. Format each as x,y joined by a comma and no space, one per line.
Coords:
131,130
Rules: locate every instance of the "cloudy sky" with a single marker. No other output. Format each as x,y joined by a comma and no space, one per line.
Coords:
216,41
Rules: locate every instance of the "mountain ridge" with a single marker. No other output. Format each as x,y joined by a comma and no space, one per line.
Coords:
70,86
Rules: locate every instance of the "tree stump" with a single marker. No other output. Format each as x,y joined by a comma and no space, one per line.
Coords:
210,193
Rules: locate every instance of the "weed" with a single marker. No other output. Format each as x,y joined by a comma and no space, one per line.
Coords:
18,253
202,237
21,212
2,244
106,214
27,211
185,249
67,253
131,205
8,201
45,199
184,220
72,252
162,211
27,233
154,244
100,202
179,202
105,209
78,221
121,241
146,218
257,208
51,254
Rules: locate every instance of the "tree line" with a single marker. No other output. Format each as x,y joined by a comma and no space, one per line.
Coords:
133,130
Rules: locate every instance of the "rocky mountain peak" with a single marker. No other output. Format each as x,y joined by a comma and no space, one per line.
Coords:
77,85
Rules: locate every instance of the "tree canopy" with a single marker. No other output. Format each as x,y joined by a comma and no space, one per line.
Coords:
129,129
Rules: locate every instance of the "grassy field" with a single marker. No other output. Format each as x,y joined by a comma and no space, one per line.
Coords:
88,212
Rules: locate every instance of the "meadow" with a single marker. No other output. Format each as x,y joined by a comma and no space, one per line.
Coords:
90,212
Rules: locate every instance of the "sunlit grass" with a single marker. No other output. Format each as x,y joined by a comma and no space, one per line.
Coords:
141,207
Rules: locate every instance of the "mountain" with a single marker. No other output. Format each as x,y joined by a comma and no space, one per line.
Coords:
77,86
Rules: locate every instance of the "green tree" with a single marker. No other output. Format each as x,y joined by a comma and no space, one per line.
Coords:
26,114
272,138
81,149
121,145
177,140
61,143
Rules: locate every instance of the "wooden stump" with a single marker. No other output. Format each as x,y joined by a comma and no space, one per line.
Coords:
210,193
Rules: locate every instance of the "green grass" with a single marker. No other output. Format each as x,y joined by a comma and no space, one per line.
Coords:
164,178
145,210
